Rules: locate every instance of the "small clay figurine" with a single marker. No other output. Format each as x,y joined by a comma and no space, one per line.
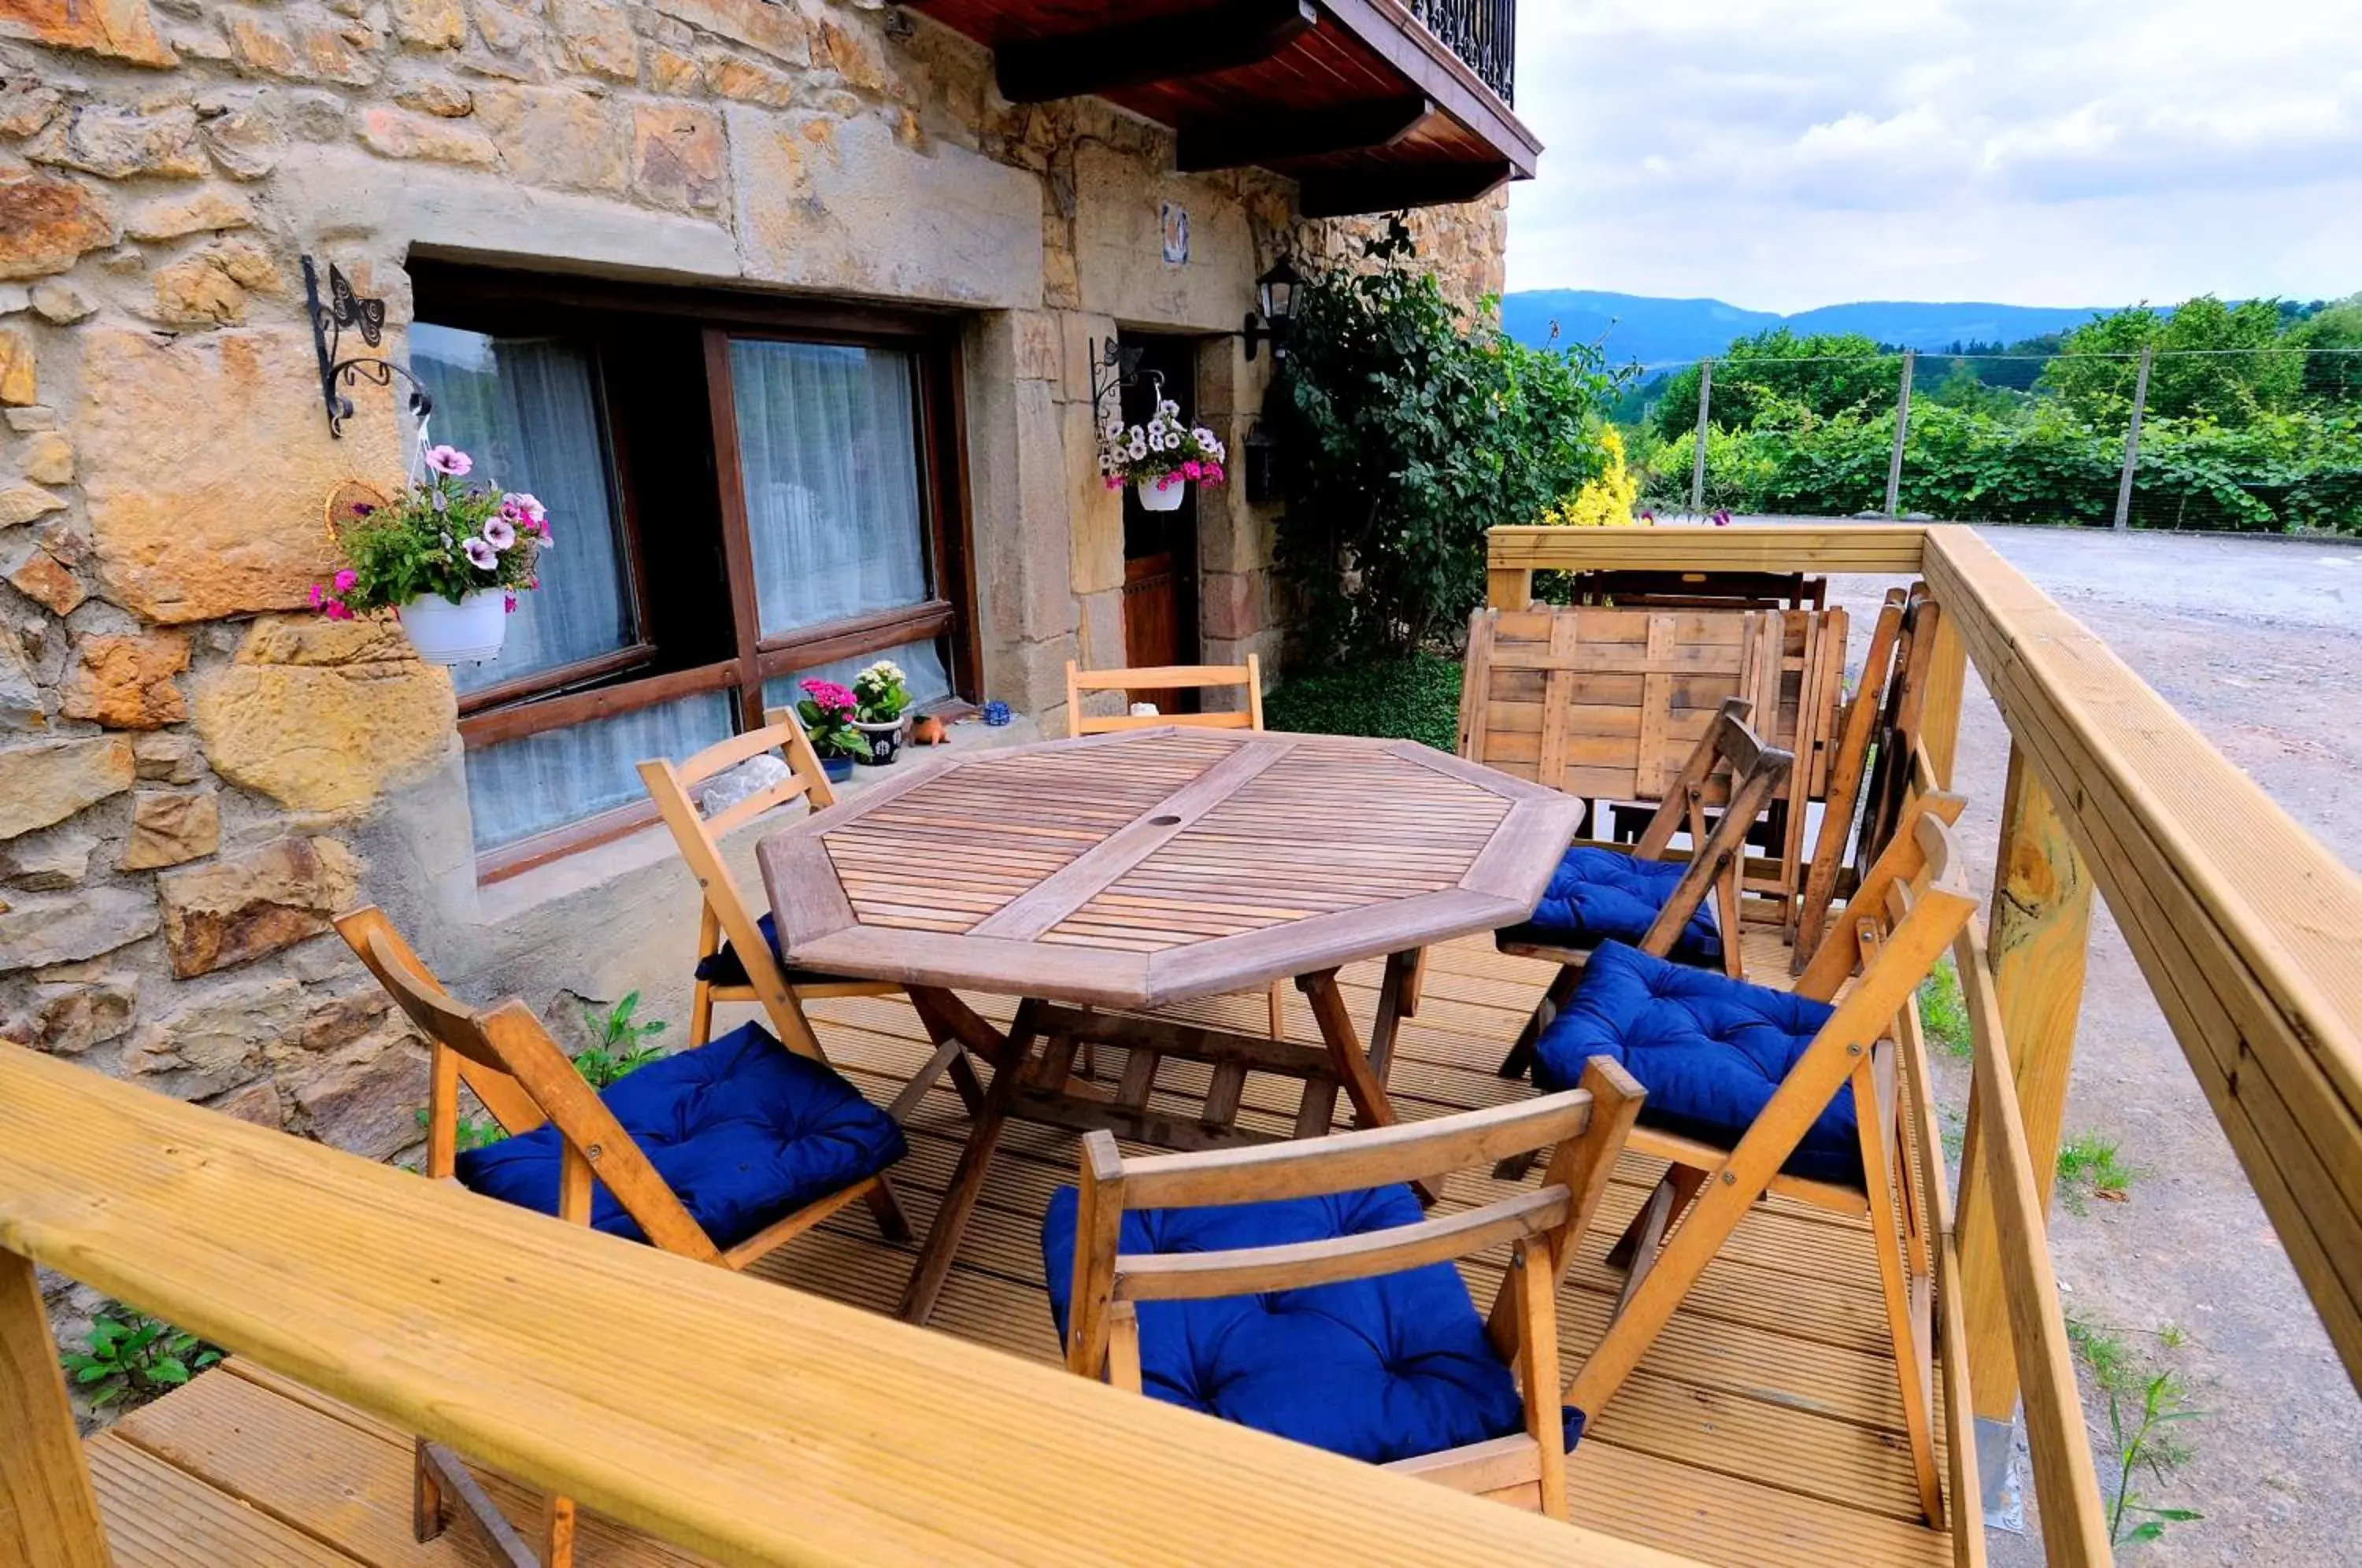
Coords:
928,729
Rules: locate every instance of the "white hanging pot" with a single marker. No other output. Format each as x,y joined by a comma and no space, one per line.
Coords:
465,632
1165,498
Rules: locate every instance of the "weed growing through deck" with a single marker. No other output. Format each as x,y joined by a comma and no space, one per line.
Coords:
1943,1011
129,1358
474,1131
2144,1405
2090,1165
619,1042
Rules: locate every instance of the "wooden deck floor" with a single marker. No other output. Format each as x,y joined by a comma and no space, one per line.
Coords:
1764,1428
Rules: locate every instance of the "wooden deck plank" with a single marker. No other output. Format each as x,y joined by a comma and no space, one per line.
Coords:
1762,1428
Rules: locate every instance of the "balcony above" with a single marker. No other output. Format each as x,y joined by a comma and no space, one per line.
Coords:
1369,105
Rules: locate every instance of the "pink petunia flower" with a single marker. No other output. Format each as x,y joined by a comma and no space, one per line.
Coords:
449,460
1213,473
315,596
346,579
1193,469
508,603
499,534
529,507
336,610
479,555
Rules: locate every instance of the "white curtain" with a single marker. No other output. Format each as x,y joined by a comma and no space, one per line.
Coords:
527,409
828,444
541,782
922,671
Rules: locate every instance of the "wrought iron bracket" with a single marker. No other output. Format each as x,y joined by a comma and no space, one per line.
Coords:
1115,366
345,309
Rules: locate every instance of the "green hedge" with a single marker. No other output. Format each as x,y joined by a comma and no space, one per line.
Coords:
1413,698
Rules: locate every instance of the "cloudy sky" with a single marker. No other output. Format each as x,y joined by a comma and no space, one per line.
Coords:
1780,154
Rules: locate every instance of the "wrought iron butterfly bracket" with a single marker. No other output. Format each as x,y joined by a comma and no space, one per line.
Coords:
347,309
1115,367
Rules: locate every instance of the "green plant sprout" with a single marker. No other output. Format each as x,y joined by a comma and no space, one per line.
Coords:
2091,1165
2148,1445
1943,1012
619,1042
129,1358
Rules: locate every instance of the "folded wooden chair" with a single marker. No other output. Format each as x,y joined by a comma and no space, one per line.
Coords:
1274,1286
1794,1093
738,956
764,1142
1175,678
1650,898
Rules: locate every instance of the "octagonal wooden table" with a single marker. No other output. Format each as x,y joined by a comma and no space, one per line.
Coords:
1131,870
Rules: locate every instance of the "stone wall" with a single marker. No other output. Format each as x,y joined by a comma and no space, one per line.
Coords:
194,772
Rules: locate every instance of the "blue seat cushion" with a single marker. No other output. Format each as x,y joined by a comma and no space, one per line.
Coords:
742,1130
1375,1369
1605,895
1709,1050
724,967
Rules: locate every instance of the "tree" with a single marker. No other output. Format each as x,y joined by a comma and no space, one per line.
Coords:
1774,374
2197,373
2333,374
1406,430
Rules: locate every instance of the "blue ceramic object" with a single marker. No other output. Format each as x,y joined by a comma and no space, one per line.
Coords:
838,768
996,713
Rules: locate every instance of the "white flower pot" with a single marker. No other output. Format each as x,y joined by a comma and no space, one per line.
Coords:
1169,499
465,632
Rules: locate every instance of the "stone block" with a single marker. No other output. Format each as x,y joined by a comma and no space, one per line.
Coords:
64,928
243,134
398,133
162,758
46,221
23,502
746,82
301,50
366,1101
436,97
323,736
1118,244
67,1019
119,29
258,1102
780,31
170,217
1101,633
117,143
1041,351
186,525
60,303
241,908
216,1040
47,862
429,23
21,705
125,682
19,382
846,206
47,457
598,35
558,137
209,288
47,781
169,827
679,157
669,71
1095,514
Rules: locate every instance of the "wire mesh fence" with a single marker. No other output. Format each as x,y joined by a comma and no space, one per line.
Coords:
2253,441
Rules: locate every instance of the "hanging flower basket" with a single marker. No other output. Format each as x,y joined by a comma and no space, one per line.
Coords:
449,559
1160,459
465,632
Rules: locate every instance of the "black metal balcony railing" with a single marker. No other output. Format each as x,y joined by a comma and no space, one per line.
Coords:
1482,32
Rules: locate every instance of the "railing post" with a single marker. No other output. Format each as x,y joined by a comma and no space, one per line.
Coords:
47,1512
1902,431
2039,931
1939,713
2132,439
1697,463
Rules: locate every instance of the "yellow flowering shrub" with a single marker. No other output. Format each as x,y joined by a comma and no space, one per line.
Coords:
1602,502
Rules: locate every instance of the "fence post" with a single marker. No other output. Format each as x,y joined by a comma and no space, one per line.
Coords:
1902,429
47,1512
2132,440
2039,933
1697,463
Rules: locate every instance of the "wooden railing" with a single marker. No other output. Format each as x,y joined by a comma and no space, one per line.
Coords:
743,1419
2248,931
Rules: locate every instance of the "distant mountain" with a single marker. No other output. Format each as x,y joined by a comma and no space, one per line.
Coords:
1662,331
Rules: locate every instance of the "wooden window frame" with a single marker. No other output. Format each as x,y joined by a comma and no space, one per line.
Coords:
605,686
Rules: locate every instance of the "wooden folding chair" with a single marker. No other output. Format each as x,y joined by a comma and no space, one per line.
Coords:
506,1057
1909,909
736,959
1175,678
1231,1252
1729,751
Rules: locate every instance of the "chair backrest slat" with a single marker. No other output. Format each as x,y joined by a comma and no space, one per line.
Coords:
1245,1271
1165,677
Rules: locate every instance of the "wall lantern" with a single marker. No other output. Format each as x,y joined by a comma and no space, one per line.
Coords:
347,309
1280,291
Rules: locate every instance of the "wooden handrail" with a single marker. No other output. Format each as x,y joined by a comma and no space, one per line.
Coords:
746,1420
